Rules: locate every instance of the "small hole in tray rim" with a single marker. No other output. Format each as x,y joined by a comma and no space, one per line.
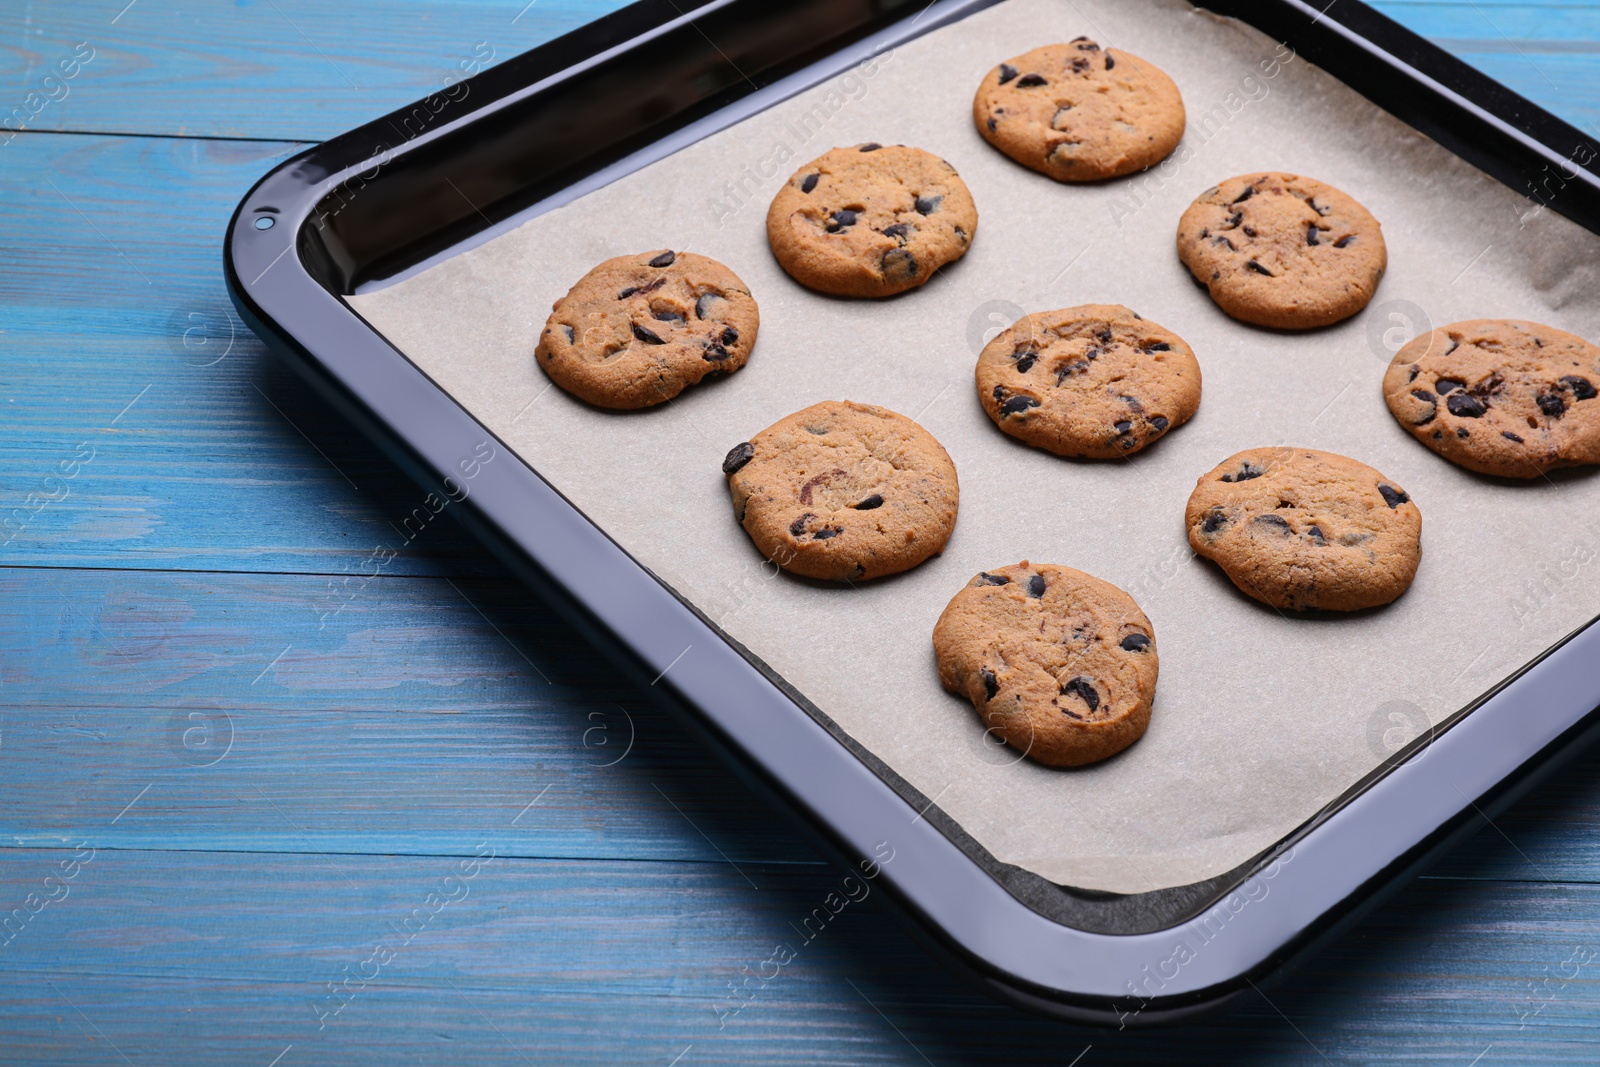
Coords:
264,222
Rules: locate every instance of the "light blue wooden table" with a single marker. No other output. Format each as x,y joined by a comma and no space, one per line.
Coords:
261,806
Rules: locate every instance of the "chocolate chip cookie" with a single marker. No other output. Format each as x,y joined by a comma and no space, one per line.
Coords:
1095,381
637,330
871,220
1283,251
1300,529
1499,396
1079,113
1059,664
844,491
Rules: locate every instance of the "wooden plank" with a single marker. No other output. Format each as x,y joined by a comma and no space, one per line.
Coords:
282,713
395,718
287,69
228,959
224,461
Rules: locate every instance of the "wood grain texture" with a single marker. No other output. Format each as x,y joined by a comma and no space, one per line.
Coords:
274,69
277,750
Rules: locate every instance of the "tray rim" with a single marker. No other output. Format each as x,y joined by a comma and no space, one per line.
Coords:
1007,951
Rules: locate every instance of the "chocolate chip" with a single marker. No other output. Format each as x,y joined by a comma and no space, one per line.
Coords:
1077,366
985,578
648,336
1214,521
1277,522
1249,231
991,685
668,316
1083,689
1135,643
1007,72
961,235
1084,44
1017,404
1122,426
1509,436
1251,264
1392,496
664,259
1160,423
738,456
809,182
1159,346
1423,394
927,205
842,219
1036,586
1103,335
1246,472
826,533
1347,239
1414,370
1249,191
1461,432
1079,65
798,526
1204,234
1092,353
1554,405
1110,61
1466,406
629,291
1581,388
1315,533
1224,241
568,331
1311,202
871,147
1446,385
1133,404
1311,233
714,353
730,336
1028,81
991,124
1233,220
704,304
900,263
873,501
1025,359
1455,343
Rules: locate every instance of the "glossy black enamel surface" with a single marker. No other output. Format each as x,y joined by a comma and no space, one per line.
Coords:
385,197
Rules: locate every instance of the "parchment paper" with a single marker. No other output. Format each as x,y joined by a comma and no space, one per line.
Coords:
1260,720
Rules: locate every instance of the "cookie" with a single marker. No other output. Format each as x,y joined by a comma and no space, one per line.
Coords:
1059,664
638,330
1301,529
871,220
1080,114
1499,396
844,492
1283,251
1095,381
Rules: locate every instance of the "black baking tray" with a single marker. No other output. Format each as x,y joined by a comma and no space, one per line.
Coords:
544,127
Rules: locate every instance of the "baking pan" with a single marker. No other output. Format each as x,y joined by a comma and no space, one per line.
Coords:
468,163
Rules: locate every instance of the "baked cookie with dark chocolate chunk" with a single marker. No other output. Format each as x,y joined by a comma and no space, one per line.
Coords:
638,330
1095,381
871,220
1500,396
1283,251
1301,529
844,492
1079,113
1059,664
